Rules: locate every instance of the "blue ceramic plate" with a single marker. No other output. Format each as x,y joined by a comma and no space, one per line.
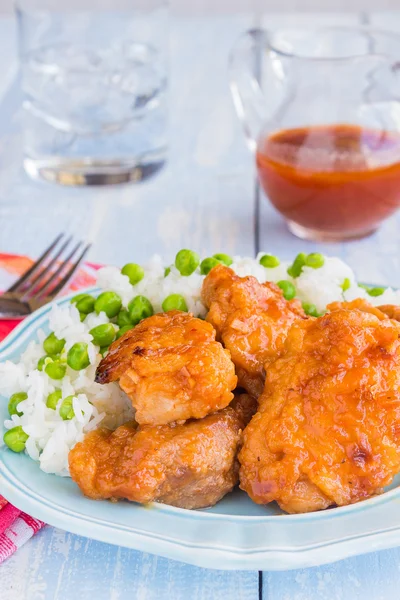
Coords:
234,534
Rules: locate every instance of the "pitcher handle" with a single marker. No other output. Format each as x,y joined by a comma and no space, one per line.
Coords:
245,68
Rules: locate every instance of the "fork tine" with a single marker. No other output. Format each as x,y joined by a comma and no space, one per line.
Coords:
55,274
46,270
59,286
17,285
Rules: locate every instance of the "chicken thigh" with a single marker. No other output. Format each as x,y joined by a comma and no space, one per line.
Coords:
191,465
172,369
328,427
251,319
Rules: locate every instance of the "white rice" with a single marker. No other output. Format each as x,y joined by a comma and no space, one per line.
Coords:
50,437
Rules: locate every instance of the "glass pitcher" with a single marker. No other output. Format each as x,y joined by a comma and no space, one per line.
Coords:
321,111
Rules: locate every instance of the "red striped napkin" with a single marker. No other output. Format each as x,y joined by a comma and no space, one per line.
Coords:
16,527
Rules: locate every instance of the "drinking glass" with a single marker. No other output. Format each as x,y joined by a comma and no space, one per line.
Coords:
321,110
94,83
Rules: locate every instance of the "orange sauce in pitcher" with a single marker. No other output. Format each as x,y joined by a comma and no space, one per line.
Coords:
333,178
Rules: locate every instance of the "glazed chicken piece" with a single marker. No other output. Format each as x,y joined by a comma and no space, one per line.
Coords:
191,465
328,428
251,319
385,311
172,369
381,312
392,311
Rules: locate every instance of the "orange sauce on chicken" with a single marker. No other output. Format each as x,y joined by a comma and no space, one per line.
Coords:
342,178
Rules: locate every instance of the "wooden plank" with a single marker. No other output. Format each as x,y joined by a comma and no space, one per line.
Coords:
56,565
8,43
373,576
202,200
212,7
389,19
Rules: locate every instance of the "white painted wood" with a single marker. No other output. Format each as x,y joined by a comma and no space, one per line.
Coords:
60,566
385,19
374,576
213,7
369,577
9,53
203,200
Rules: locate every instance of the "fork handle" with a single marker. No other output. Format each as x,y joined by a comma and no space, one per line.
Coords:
10,308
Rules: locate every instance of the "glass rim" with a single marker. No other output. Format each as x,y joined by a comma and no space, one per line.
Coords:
364,30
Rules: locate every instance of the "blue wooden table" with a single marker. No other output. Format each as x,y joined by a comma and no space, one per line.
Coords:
206,199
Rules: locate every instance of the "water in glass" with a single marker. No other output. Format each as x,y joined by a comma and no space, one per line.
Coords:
94,112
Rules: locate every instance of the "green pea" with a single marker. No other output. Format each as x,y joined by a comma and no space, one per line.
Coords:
15,399
167,271
78,357
53,399
55,370
134,272
346,284
66,410
15,439
103,335
53,345
78,297
376,291
140,308
123,318
296,268
103,351
187,261
310,309
42,362
315,260
288,289
123,330
269,261
225,259
86,304
108,302
207,264
174,302
82,316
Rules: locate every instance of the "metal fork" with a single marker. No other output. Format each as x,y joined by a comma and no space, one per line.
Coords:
44,279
